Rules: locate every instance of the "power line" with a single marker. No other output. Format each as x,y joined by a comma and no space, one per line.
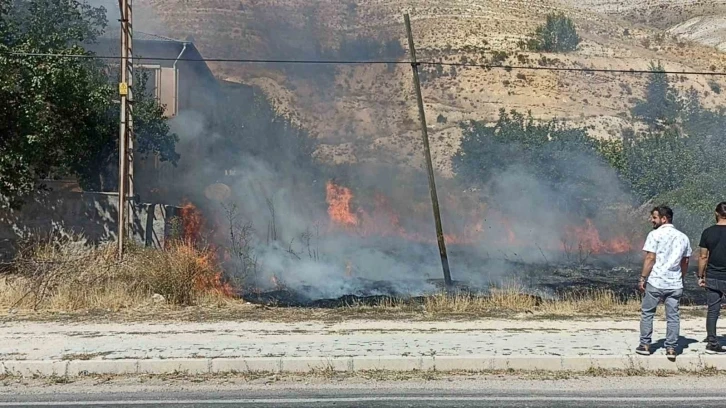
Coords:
372,62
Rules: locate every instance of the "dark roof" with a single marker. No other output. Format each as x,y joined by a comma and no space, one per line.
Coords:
166,50
115,33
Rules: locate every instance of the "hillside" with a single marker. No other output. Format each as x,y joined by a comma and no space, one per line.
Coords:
702,21
368,113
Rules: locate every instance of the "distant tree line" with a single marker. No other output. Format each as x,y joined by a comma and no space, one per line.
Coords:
679,158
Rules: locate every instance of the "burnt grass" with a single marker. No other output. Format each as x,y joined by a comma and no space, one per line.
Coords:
538,280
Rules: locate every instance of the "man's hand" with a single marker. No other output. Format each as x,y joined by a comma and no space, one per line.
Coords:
702,282
648,263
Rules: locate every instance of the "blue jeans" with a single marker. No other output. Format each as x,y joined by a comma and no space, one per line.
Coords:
671,298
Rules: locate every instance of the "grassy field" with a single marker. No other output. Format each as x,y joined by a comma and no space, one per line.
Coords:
69,280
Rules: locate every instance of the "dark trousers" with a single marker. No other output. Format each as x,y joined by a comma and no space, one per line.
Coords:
715,291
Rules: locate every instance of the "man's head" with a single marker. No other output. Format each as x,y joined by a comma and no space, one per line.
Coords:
721,211
661,215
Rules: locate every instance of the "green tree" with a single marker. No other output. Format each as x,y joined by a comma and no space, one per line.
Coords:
661,105
658,162
680,159
564,158
518,139
57,114
557,34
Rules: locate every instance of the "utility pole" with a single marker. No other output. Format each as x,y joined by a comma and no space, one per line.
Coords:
427,154
125,149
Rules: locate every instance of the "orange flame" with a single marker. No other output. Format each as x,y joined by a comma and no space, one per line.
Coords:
588,238
191,222
384,221
206,258
338,199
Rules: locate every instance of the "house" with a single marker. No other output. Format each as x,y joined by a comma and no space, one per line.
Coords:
177,73
179,78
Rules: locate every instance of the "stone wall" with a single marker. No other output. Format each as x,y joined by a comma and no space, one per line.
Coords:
90,214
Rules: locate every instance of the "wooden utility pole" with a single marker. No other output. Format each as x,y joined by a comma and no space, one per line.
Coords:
125,148
427,154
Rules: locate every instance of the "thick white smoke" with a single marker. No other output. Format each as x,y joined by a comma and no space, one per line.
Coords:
293,243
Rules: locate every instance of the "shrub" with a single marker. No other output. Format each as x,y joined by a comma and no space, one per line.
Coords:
715,87
558,34
441,118
499,57
64,273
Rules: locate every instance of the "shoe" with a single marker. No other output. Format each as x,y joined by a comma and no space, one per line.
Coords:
671,353
715,348
643,349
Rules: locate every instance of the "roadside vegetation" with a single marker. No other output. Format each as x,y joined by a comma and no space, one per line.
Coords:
65,274
185,281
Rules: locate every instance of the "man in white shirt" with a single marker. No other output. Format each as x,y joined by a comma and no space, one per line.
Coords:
667,252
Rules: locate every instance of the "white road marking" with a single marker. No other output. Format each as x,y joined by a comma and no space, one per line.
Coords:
360,399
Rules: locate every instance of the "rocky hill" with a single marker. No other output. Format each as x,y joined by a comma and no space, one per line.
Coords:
703,21
363,113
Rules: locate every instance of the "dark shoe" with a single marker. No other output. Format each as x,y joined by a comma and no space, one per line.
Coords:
715,348
671,353
643,349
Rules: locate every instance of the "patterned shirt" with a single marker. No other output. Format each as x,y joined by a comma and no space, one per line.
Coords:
669,246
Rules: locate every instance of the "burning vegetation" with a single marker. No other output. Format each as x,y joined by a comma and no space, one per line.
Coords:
64,273
383,220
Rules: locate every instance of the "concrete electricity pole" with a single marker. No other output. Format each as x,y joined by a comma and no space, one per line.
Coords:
126,128
427,155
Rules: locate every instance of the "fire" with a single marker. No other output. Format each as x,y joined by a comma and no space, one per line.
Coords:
588,238
206,257
338,199
191,222
481,224
384,221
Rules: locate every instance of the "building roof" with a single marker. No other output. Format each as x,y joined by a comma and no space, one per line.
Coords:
155,50
115,33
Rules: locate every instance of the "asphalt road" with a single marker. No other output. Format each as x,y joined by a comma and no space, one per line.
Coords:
342,397
376,390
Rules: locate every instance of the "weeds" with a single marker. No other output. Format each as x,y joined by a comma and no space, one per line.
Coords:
67,274
507,300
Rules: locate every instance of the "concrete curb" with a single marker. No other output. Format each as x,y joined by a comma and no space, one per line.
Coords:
74,368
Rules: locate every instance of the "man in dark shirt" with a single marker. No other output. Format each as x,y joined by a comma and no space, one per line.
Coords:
712,274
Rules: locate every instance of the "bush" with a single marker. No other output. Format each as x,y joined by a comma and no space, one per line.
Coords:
441,118
558,34
552,150
715,87
499,57
64,273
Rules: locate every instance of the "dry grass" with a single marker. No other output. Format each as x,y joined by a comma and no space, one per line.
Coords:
67,276
510,300
64,274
